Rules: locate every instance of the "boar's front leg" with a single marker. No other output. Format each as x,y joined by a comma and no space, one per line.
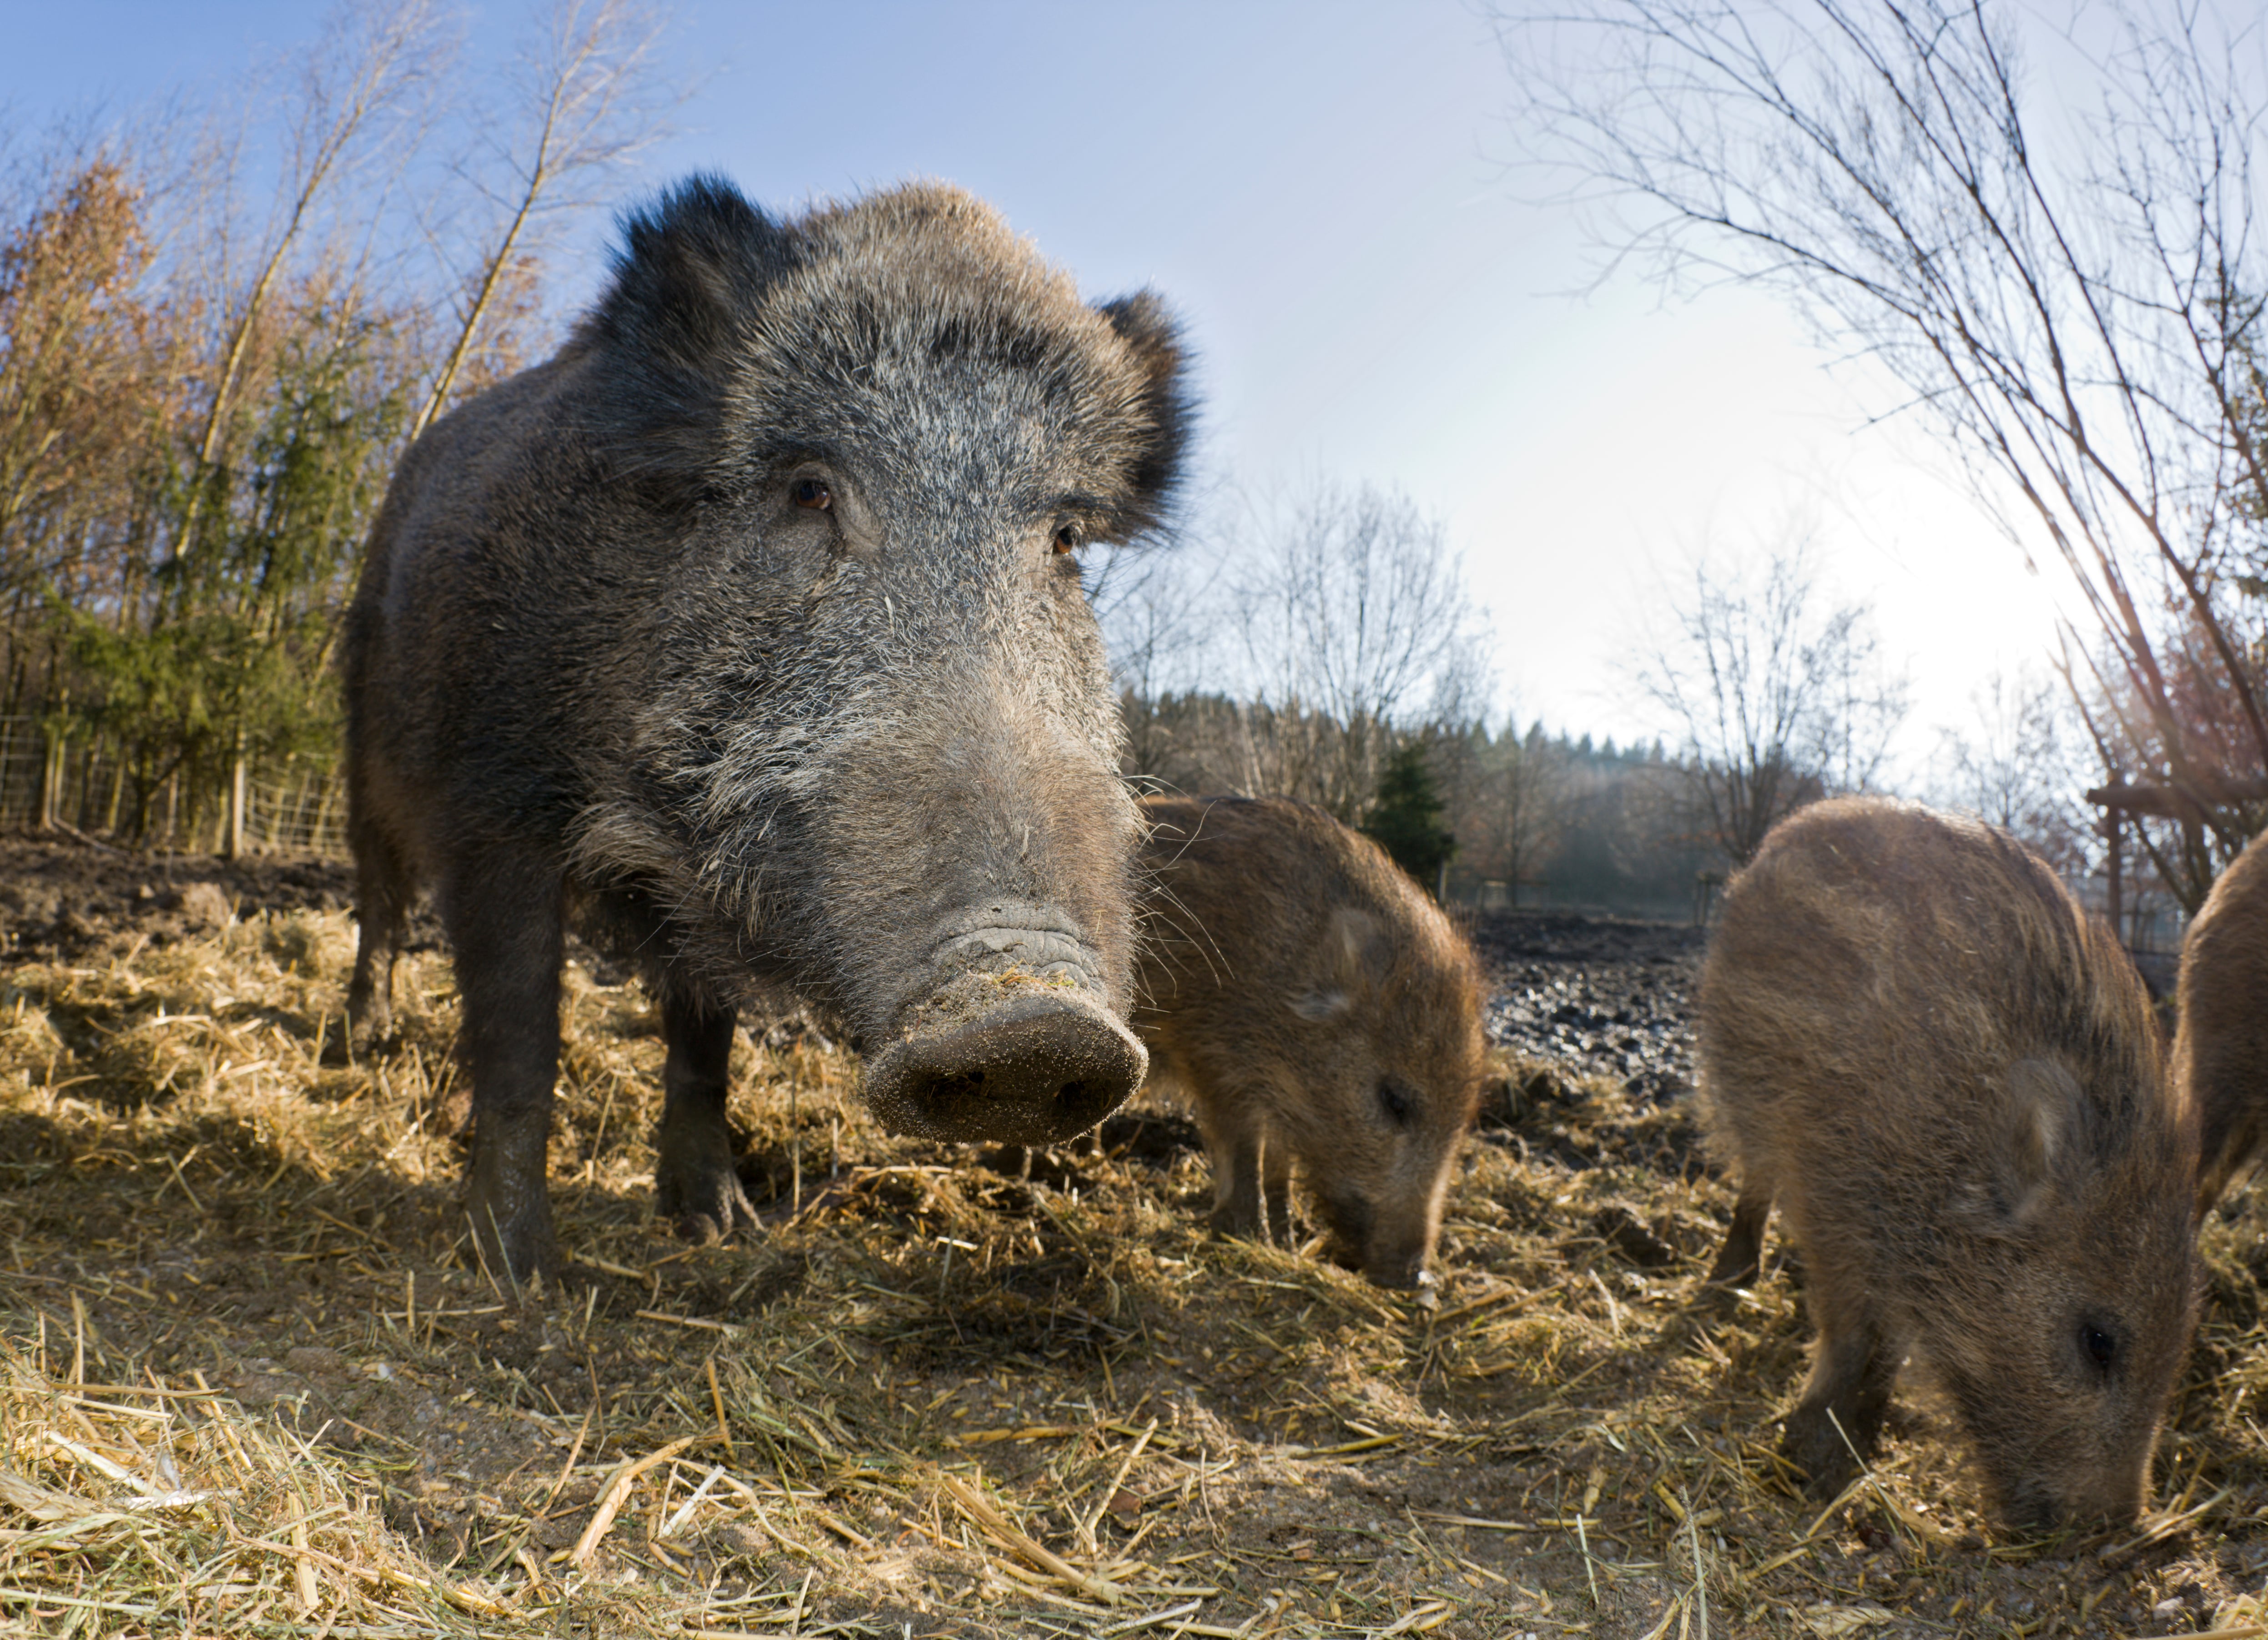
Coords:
695,1185
381,905
1851,1380
507,921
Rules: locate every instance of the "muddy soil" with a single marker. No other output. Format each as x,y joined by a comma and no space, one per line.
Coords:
66,901
1595,996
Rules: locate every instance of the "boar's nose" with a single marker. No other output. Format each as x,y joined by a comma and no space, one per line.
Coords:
1035,1068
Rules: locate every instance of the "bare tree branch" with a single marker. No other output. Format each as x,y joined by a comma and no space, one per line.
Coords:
591,95
2081,315
1779,698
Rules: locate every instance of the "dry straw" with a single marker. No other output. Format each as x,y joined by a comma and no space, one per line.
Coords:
250,1383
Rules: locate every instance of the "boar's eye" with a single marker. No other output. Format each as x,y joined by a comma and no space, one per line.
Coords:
812,493
2101,1347
1393,1102
1067,539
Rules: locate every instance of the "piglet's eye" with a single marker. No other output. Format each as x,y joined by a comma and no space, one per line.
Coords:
2101,1347
1393,1102
812,493
1067,539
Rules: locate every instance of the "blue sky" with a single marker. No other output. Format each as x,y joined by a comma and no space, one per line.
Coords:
1323,191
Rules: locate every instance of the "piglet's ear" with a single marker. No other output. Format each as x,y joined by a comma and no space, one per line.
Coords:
1352,955
1357,948
2033,1125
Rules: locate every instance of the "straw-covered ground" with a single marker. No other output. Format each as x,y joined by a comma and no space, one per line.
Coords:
249,1383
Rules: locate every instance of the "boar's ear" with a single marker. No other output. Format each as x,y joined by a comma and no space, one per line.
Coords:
1148,330
690,268
2035,1122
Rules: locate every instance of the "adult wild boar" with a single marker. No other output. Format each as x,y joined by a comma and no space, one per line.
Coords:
1946,1074
747,633
1316,1006
2220,1046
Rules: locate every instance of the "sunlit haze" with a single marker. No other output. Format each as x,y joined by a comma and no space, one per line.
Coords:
1326,193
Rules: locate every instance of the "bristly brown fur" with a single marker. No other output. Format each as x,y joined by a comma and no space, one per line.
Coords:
1316,1005
604,664
2220,1047
1945,1074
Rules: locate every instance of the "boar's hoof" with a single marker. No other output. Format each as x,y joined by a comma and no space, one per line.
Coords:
1238,1221
1814,1444
696,1189
508,1199
1034,1070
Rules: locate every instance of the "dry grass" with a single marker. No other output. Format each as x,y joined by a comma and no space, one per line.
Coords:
248,1382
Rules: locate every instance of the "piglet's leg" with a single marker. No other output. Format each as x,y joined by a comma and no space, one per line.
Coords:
1741,1255
1232,1135
505,916
1276,1188
1851,1380
695,1185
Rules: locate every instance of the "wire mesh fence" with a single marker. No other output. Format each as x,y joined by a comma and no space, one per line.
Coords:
298,806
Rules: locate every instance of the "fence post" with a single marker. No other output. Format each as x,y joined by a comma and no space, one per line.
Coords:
51,778
235,848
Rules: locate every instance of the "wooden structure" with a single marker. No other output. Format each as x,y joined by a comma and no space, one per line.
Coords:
2185,802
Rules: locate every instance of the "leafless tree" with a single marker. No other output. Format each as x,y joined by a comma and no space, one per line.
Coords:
2021,762
1357,625
1162,614
1514,808
2078,309
361,72
587,94
1780,695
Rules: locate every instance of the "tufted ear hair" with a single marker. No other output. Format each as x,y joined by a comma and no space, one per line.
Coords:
1144,324
691,266
2029,1138
1353,957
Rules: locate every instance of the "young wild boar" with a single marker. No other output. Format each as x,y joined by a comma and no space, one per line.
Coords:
748,633
1316,1006
1945,1073
2220,1047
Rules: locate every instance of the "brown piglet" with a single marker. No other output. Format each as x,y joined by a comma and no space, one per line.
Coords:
1315,1006
1946,1075
2221,1048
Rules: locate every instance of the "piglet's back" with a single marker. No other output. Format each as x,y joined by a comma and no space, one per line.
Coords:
1881,946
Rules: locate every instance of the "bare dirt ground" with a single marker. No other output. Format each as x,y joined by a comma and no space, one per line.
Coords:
249,1383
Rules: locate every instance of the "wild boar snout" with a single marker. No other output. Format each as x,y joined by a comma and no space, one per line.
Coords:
1006,1058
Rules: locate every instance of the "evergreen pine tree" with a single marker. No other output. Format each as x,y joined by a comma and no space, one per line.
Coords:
1406,818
